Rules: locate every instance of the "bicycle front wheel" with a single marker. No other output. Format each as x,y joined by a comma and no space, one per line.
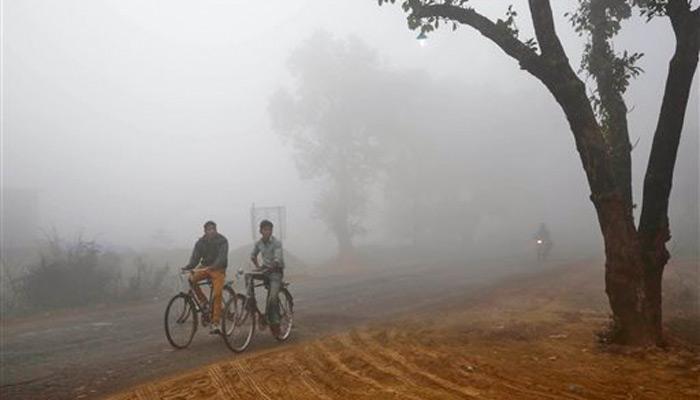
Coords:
238,323
180,321
286,315
227,293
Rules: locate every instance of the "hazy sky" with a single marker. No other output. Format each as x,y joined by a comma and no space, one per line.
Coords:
133,116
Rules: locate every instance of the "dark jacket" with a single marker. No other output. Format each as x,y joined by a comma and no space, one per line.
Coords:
211,252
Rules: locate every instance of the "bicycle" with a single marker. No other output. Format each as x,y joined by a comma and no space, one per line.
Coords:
241,313
184,311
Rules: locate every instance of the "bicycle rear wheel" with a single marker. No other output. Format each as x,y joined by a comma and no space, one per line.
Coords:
238,323
180,321
286,315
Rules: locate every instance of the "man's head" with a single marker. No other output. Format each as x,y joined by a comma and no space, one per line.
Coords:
265,229
210,229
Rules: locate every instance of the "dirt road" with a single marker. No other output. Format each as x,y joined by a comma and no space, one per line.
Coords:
90,352
530,338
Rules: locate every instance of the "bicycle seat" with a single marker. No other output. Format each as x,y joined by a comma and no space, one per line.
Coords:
204,282
255,275
267,285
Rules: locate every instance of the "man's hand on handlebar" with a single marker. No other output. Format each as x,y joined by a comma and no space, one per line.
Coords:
261,269
191,270
266,268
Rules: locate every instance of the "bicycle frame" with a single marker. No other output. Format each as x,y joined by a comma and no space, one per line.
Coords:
191,294
250,285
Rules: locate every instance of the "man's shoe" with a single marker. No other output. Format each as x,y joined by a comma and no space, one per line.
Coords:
275,330
206,315
215,330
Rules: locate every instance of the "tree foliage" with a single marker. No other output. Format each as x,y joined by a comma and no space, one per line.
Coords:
600,21
360,128
329,120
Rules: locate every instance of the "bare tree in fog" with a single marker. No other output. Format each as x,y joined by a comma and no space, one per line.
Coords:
329,120
356,124
635,256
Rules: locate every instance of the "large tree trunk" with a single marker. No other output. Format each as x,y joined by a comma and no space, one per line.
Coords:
624,266
624,276
610,191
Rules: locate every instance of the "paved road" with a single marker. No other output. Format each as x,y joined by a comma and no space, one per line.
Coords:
95,351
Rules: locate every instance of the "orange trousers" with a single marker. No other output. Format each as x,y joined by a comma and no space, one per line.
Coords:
218,278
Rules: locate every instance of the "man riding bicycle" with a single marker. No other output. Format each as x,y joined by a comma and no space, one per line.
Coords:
270,250
211,250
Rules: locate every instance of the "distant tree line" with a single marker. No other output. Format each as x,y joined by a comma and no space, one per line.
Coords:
78,273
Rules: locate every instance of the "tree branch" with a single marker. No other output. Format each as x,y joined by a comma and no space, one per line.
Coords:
679,9
555,73
543,22
601,65
526,57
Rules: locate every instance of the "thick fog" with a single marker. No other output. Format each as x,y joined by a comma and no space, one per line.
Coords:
134,122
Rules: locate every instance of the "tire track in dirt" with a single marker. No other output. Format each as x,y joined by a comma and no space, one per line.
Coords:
388,374
397,348
303,375
146,393
520,390
414,368
338,364
250,379
414,377
395,371
217,375
319,369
